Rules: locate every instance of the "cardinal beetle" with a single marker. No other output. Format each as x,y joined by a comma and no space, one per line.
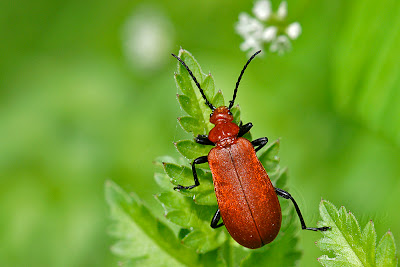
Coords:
247,200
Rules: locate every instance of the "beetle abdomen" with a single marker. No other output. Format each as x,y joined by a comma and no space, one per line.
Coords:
247,200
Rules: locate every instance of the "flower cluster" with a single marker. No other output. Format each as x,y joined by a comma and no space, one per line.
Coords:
267,27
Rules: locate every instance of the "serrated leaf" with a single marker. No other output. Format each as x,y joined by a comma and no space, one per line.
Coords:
141,234
269,158
194,66
191,150
218,99
202,242
208,85
182,175
178,174
279,178
185,213
187,105
191,125
386,251
200,110
351,246
336,262
162,181
236,114
368,240
184,83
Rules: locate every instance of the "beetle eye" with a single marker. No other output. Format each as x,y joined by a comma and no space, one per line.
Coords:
229,113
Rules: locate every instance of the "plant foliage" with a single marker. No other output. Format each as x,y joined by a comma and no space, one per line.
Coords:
195,243
351,245
144,240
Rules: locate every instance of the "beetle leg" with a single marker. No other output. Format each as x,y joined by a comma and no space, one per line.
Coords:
214,222
243,129
260,143
203,140
199,160
286,195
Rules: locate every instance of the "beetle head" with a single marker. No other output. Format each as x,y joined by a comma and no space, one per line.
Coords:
221,115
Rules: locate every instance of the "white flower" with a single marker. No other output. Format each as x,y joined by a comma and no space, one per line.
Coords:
293,30
280,45
282,10
262,9
250,44
269,33
248,26
266,29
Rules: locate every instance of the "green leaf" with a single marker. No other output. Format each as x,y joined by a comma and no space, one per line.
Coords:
187,208
191,150
208,85
182,175
199,110
187,105
386,251
191,125
184,83
269,158
145,241
351,246
185,213
218,99
141,235
163,181
368,239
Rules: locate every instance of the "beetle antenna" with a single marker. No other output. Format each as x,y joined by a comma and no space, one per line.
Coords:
240,77
196,82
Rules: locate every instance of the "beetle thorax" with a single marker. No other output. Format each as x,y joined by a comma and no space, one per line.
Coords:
225,131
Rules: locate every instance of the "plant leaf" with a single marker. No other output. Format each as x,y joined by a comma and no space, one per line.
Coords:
386,251
191,150
199,110
141,235
190,124
351,246
191,217
185,213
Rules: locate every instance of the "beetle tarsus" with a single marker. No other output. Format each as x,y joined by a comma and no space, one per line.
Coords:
286,195
325,228
179,187
199,160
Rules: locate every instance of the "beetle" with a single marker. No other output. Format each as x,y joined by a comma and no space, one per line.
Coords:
247,200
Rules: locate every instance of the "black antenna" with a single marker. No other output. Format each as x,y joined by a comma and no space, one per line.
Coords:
195,81
240,77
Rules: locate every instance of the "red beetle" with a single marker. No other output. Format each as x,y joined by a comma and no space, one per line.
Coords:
247,200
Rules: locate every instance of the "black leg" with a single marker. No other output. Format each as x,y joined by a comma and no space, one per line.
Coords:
284,194
243,129
203,140
260,143
214,222
199,160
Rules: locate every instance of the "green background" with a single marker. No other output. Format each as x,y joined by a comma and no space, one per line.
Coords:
76,110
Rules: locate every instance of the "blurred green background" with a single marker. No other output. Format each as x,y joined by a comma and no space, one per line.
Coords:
87,94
